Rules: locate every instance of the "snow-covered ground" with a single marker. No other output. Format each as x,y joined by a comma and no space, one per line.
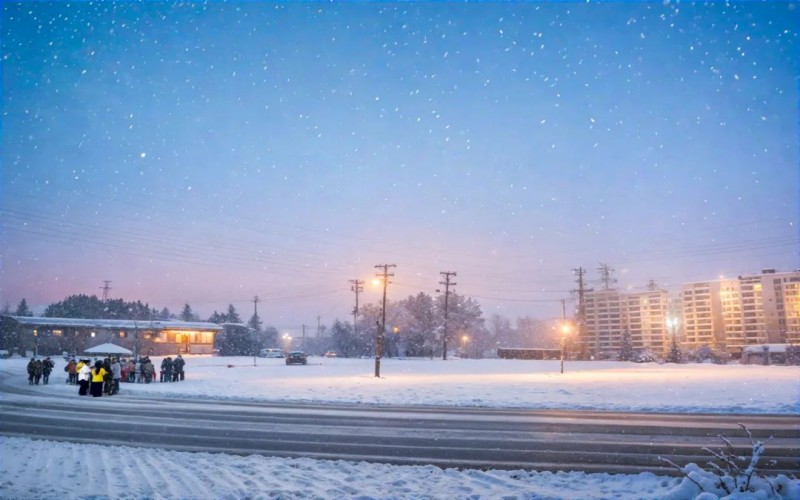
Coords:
34,469
505,383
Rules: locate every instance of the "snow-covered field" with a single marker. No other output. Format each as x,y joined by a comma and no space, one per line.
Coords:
33,469
505,383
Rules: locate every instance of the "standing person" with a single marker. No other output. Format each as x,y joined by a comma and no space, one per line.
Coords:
38,369
131,371
143,369
31,366
72,372
84,374
47,369
149,371
178,368
168,369
98,376
116,376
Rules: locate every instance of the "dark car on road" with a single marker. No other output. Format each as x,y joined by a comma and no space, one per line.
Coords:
296,358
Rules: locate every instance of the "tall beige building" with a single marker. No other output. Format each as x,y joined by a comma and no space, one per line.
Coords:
733,313
609,313
646,314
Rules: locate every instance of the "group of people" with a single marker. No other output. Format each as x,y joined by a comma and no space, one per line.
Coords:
172,370
103,377
39,370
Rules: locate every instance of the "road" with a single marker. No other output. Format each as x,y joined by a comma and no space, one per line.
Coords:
447,437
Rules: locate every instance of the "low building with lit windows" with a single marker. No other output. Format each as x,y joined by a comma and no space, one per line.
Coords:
51,336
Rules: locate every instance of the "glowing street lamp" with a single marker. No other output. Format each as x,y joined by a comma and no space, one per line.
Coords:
287,340
464,341
566,329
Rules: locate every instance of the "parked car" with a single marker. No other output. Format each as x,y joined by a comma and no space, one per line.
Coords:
270,353
296,358
330,354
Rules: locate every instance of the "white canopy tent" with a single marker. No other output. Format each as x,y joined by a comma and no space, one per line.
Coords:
108,348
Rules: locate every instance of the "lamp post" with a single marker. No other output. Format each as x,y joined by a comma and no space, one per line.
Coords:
287,341
673,323
565,329
464,341
381,333
35,343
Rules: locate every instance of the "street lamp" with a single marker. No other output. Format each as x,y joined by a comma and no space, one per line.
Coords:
565,330
287,340
464,340
381,327
672,323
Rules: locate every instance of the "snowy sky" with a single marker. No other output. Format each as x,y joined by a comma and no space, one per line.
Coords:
207,153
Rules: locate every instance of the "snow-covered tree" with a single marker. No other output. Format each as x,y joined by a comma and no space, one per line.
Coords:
419,324
343,340
626,352
674,355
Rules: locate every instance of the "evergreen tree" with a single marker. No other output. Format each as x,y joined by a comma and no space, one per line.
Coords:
674,355
255,323
232,316
164,314
216,318
187,314
23,309
626,346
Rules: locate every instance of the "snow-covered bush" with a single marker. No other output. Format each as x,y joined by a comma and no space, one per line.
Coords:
708,354
732,476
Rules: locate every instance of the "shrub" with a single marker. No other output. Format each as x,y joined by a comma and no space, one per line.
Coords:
729,474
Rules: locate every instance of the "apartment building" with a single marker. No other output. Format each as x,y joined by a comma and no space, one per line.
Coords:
610,312
646,314
749,310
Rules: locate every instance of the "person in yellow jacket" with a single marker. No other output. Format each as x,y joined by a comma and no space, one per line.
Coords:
98,375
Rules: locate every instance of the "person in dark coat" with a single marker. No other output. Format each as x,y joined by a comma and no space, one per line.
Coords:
177,368
31,366
38,369
116,376
47,369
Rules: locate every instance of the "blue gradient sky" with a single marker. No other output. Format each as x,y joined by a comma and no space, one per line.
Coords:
207,153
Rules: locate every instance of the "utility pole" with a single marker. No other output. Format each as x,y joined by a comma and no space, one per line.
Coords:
385,275
564,330
256,300
105,288
447,284
357,288
652,285
304,337
319,327
581,272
